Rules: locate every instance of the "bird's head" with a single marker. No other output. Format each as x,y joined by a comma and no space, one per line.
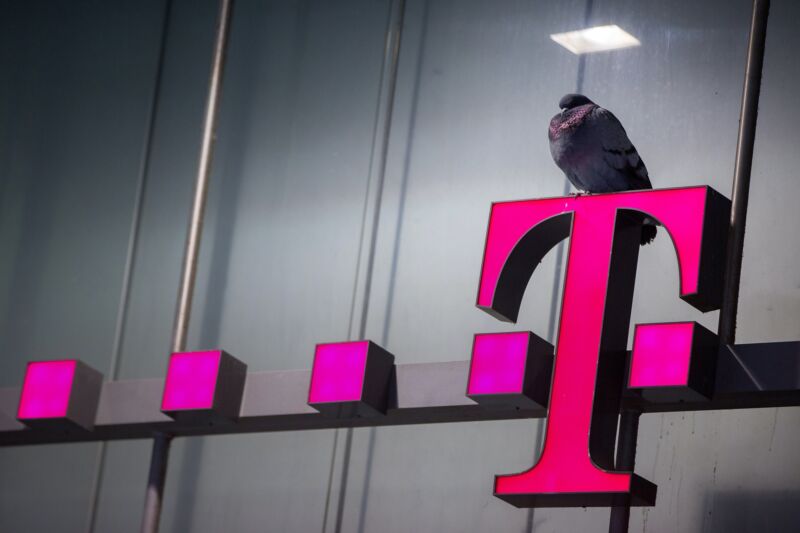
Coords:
571,101
574,109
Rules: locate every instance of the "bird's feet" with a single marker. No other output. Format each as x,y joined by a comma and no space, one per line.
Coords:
578,194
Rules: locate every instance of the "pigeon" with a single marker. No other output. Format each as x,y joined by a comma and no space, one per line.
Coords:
590,145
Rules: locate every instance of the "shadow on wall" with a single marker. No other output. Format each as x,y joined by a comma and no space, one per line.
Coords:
757,511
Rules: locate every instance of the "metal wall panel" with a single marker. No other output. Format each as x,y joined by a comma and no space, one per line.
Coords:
279,250
678,96
769,305
76,82
146,334
716,471
739,470
478,84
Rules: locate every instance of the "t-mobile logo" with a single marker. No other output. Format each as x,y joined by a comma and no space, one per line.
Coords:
589,371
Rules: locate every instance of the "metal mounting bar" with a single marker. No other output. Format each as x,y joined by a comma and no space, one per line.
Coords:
748,376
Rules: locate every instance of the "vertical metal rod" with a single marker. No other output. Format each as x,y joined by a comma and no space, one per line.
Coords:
625,461
155,483
189,272
161,443
741,174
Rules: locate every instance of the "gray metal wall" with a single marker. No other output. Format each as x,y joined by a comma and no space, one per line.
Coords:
297,192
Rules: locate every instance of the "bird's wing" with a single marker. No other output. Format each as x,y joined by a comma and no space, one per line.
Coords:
618,151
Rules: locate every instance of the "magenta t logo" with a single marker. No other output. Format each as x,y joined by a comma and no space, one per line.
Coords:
577,465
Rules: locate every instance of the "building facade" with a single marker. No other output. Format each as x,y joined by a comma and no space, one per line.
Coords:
347,202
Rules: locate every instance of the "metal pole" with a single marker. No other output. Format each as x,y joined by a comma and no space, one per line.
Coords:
160,454
155,483
186,291
625,461
741,173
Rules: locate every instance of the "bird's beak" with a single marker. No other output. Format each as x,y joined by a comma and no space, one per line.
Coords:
563,111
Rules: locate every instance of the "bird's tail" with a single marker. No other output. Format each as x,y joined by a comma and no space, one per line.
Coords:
648,233
649,230
648,226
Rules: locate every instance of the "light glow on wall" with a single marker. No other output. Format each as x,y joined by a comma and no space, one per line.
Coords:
595,39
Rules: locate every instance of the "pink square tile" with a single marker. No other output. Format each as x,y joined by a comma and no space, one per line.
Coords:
46,389
661,355
191,381
498,363
338,372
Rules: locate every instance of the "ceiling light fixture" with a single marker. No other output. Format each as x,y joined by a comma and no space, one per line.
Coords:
595,39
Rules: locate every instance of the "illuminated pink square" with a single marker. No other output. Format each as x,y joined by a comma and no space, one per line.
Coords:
59,395
661,355
673,362
498,363
191,381
338,372
205,386
46,390
350,379
510,368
